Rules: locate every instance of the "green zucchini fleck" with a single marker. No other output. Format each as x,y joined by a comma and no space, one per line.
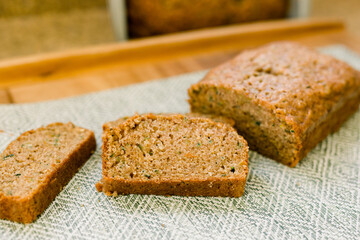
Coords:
8,156
139,146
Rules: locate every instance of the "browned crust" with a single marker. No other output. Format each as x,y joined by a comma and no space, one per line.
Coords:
26,209
231,187
212,186
329,106
331,124
216,118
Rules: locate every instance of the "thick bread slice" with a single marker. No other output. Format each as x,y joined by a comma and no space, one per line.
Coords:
37,165
173,155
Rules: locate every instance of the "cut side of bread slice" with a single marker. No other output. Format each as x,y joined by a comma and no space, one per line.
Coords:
173,155
37,165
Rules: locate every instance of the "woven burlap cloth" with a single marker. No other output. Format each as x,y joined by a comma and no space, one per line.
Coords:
319,199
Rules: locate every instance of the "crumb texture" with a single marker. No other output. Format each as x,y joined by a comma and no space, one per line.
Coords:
165,148
35,166
34,155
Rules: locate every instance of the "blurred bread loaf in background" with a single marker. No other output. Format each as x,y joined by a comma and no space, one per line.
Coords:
153,17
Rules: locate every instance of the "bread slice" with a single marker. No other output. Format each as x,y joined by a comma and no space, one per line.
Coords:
284,97
173,155
37,165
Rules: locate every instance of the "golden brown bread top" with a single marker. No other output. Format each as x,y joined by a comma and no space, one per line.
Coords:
296,83
29,160
169,147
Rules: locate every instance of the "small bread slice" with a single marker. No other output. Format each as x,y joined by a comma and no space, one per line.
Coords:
37,165
173,155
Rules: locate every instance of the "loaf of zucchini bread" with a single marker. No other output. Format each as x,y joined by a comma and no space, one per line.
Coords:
173,155
284,97
37,165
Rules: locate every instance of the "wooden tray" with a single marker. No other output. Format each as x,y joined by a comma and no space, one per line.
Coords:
63,74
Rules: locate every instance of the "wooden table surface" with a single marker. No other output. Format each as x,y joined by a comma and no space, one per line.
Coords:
70,73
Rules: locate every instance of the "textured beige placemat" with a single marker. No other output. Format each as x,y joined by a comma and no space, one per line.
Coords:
320,198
